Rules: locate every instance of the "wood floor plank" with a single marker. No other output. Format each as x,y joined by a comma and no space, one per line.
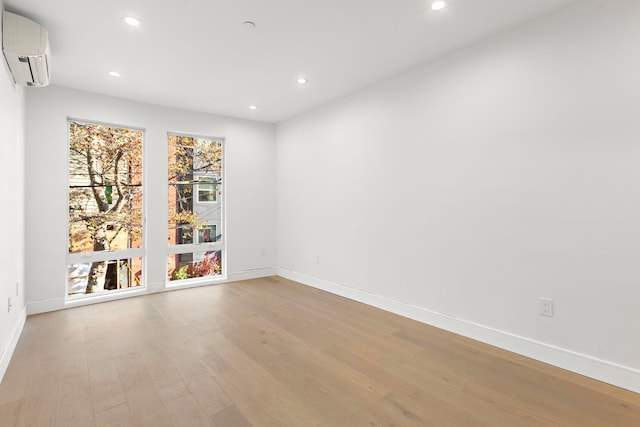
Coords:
146,407
74,406
262,399
285,356
229,416
158,366
265,403
9,413
106,389
337,409
271,352
182,407
15,383
144,403
209,395
39,404
117,416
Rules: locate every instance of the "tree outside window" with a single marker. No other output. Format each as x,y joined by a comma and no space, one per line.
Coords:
105,206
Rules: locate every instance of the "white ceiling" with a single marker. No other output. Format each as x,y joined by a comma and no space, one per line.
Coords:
197,55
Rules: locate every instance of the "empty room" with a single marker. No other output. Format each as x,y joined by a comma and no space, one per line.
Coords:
341,213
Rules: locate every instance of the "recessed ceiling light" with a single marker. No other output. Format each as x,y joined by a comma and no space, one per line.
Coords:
302,80
134,22
252,107
249,25
114,74
438,5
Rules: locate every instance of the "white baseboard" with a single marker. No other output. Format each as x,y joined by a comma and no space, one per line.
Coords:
602,370
43,306
252,274
13,342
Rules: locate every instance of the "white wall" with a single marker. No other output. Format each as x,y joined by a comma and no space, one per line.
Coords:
11,214
461,191
249,175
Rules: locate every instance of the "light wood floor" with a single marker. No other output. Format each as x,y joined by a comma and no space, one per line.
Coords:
271,352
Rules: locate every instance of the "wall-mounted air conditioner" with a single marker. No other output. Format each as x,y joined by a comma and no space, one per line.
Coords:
25,45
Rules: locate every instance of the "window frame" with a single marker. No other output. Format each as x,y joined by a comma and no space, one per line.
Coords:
73,258
218,245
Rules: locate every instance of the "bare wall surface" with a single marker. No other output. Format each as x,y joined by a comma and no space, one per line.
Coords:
12,214
249,191
473,185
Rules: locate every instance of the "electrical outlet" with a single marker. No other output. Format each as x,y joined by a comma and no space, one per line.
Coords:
545,307
316,259
17,289
263,252
9,305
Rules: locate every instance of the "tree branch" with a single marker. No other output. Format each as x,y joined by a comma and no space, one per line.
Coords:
102,205
118,205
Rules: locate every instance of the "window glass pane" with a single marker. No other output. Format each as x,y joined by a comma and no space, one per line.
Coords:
194,265
105,187
105,208
195,169
93,277
206,189
207,234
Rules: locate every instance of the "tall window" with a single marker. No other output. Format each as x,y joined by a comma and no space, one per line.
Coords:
195,207
105,208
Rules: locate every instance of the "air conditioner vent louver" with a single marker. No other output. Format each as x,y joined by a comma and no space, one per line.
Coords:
25,45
